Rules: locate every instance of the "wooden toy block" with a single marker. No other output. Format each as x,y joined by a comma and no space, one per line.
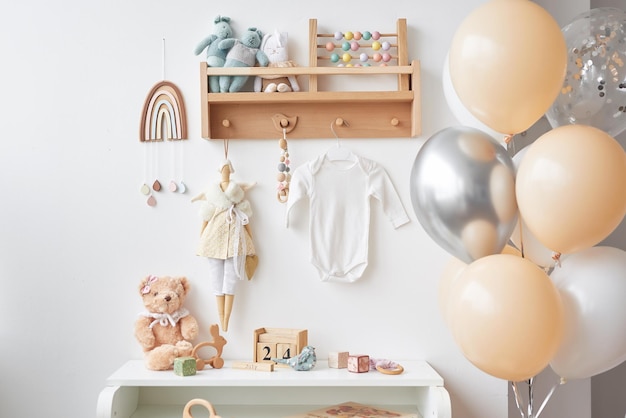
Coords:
265,351
185,366
358,363
267,341
338,360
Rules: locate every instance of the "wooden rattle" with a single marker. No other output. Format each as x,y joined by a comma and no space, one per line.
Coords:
201,402
217,362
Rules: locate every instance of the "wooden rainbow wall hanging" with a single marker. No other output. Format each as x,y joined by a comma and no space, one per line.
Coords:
163,114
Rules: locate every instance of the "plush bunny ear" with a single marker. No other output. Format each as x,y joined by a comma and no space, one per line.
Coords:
279,39
264,41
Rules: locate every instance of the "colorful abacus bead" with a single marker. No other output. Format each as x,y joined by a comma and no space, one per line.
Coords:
345,46
348,35
363,57
367,35
338,36
354,46
330,46
386,57
375,35
346,57
334,57
386,45
357,36
376,45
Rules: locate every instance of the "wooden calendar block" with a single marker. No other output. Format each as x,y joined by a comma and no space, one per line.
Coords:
265,351
338,360
358,363
277,342
285,350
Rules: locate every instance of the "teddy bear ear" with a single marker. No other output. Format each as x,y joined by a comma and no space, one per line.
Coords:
219,19
185,283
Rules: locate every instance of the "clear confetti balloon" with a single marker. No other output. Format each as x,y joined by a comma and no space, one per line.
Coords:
594,90
463,192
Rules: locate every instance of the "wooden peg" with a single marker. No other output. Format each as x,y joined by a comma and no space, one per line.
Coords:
286,123
339,122
394,121
226,123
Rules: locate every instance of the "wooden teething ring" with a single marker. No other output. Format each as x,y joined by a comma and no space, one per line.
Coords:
201,402
399,369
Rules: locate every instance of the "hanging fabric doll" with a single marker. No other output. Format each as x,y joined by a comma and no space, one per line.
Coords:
225,238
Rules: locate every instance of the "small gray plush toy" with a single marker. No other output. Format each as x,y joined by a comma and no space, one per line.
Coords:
242,52
304,361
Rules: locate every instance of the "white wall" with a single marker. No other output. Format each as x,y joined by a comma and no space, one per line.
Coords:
76,236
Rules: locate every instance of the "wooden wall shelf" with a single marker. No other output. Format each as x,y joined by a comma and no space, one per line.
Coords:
368,114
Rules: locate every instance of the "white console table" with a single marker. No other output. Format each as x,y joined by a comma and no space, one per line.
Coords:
135,392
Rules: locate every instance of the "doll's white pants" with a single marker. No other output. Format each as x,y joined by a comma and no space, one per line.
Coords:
223,276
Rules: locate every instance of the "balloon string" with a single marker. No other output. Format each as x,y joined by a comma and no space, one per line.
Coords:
548,396
531,397
518,400
521,406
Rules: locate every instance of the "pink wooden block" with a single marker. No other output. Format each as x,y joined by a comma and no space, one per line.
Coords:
358,363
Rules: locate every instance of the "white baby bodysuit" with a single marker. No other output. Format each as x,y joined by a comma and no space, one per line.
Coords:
339,195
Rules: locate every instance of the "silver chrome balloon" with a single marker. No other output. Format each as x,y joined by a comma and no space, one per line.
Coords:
463,192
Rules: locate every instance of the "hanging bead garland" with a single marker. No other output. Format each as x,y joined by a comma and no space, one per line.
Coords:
284,174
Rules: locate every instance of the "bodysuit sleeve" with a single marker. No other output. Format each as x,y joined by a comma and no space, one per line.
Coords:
299,188
383,190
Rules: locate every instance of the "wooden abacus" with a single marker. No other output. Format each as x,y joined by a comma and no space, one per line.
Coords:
308,114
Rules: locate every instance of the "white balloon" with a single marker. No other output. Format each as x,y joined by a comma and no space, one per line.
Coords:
592,284
459,110
524,239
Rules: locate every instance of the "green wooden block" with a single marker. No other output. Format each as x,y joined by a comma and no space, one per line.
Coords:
185,366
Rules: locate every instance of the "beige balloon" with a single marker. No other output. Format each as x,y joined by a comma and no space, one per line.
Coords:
507,63
506,315
451,271
571,187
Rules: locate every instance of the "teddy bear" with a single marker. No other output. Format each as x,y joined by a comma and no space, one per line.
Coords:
166,328
242,52
275,47
215,57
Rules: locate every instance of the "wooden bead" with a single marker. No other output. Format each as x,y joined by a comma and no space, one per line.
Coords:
282,143
281,177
